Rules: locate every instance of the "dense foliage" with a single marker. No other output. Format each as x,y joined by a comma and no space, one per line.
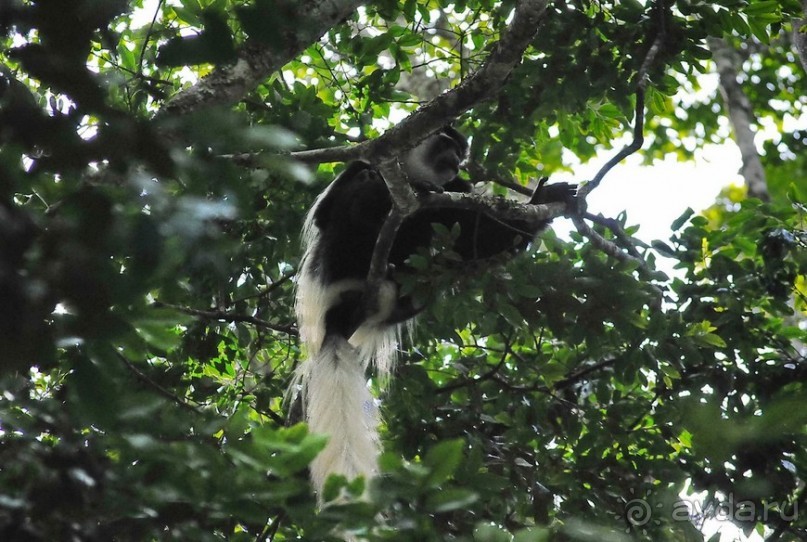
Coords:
147,257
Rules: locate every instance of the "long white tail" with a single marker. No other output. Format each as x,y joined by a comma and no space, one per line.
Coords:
332,381
339,404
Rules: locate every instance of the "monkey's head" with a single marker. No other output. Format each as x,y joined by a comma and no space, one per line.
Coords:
436,160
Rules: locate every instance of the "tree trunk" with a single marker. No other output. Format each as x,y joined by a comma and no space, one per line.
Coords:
741,116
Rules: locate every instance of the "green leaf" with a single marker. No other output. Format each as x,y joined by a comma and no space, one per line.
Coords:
448,500
442,460
710,339
761,7
511,314
489,532
533,534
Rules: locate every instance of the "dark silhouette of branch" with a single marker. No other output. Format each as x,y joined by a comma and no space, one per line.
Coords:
638,123
269,289
630,148
227,316
465,382
157,387
479,86
600,242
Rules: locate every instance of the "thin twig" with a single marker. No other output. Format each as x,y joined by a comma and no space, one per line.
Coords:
596,239
638,125
627,241
147,38
227,316
604,245
269,289
473,381
632,147
151,383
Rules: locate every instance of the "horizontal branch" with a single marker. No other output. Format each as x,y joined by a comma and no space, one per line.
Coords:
497,207
227,316
344,153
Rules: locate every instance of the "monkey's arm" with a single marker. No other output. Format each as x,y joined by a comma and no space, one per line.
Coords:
554,193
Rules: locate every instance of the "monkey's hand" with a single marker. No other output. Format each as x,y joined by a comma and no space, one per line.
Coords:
555,193
454,185
426,187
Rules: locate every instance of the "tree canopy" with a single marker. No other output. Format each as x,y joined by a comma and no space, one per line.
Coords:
157,158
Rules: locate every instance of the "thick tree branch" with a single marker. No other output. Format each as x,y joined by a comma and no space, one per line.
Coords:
478,87
228,84
483,85
741,116
499,208
385,150
394,176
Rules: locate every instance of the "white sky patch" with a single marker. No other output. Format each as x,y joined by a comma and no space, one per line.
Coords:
654,196
143,16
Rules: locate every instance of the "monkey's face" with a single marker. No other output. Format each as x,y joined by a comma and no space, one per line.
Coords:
436,159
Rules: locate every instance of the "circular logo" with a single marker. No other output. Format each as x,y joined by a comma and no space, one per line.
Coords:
638,512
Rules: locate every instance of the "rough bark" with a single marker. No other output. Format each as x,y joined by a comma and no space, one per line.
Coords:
228,84
741,117
481,85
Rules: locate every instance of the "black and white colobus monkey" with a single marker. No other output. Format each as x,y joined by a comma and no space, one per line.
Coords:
341,338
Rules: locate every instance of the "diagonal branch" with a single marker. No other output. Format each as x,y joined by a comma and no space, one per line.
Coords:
255,62
638,124
482,85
